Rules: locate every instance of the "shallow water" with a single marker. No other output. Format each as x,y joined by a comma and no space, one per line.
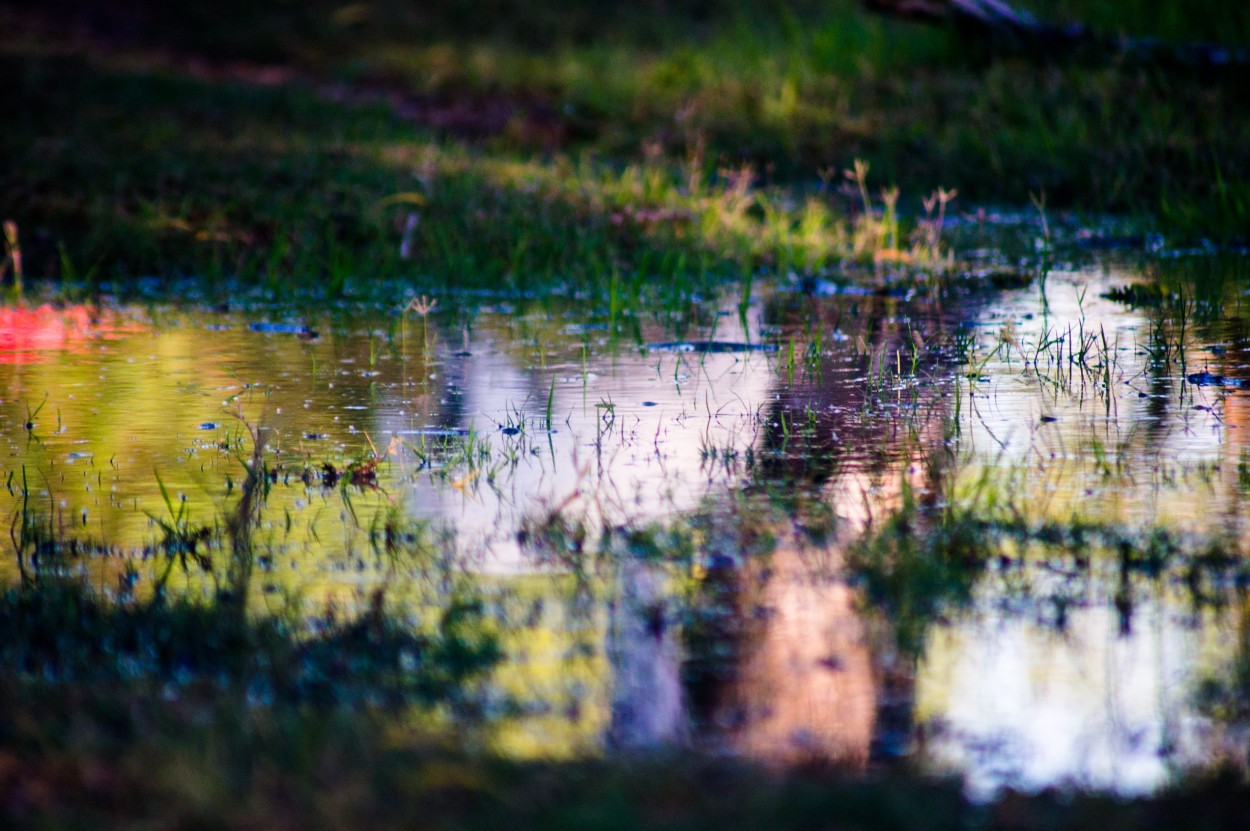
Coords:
735,457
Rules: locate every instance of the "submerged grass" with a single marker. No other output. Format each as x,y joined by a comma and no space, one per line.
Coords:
66,635
929,560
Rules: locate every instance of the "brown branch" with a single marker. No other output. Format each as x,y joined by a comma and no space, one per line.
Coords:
1008,29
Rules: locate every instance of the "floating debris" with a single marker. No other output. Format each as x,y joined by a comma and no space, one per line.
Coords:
438,432
1208,379
710,346
1148,295
298,329
362,474
998,277
329,475
1095,241
816,287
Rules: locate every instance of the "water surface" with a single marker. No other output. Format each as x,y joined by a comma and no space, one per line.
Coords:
662,508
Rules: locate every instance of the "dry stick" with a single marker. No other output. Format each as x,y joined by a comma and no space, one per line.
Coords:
246,513
13,255
1009,29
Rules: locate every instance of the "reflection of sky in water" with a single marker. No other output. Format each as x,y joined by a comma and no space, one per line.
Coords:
1012,701
1141,450
998,695
627,438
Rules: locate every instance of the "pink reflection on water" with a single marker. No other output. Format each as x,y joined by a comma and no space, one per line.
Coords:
29,334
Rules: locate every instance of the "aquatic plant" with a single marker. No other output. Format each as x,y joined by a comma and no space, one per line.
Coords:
181,540
878,239
32,532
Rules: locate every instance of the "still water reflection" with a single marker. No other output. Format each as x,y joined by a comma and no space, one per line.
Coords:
667,534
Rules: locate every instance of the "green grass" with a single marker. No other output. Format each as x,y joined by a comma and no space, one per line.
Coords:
279,187
1202,21
563,147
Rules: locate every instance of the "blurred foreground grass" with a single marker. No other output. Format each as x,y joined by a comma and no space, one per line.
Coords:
137,708
124,750
129,754
304,772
